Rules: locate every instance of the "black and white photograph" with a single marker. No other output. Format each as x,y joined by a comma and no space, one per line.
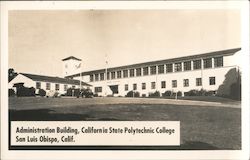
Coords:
127,65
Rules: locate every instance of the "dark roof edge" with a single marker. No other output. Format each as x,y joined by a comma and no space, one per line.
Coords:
55,81
71,57
214,53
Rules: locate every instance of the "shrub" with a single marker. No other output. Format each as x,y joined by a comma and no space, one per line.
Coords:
167,93
11,93
155,94
179,93
133,94
41,92
25,92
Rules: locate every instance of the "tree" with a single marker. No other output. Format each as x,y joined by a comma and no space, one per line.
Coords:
12,74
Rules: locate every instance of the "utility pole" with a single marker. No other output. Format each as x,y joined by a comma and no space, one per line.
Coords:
106,74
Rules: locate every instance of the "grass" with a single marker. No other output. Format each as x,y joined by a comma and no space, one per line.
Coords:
202,127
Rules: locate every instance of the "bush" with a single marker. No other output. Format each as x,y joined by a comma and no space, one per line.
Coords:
25,92
11,93
155,94
167,93
77,93
179,94
41,92
133,94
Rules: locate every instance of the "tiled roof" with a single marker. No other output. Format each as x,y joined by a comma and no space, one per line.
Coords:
53,79
165,61
71,57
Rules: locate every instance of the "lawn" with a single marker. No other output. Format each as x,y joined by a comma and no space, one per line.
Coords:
203,125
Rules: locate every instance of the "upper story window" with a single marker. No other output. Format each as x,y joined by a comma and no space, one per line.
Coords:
101,76
218,62
187,66
38,85
169,67
207,63
112,75
47,86
153,70
138,71
96,77
131,73
145,71
57,87
161,69
177,67
197,64
108,75
125,73
91,78
119,74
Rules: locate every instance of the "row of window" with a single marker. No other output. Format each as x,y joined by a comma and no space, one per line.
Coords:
48,86
174,84
152,70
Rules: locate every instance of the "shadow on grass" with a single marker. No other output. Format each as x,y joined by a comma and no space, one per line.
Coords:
50,115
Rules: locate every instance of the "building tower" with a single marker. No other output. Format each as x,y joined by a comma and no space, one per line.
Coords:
71,66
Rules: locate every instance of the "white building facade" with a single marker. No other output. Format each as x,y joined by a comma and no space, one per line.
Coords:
203,71
46,83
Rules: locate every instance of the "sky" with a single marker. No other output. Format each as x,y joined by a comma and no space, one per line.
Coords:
39,40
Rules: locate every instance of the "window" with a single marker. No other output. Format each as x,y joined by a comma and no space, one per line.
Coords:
163,84
108,75
174,83
135,86
112,75
38,85
152,85
211,80
177,67
96,77
169,67
161,69
143,86
185,82
153,70
57,87
145,71
197,64
198,81
47,86
138,71
91,78
207,63
218,61
187,66
125,73
65,87
101,76
98,89
126,87
119,74
131,73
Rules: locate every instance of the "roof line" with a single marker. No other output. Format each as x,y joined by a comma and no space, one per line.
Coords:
221,52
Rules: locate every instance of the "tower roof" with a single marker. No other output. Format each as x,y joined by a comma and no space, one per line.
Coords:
71,57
